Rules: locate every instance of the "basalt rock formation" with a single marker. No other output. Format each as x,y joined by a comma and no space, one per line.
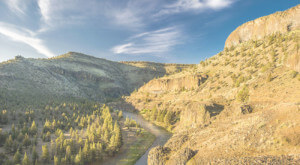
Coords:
242,105
280,22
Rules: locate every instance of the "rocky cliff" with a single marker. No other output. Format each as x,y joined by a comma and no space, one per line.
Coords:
241,105
185,82
281,22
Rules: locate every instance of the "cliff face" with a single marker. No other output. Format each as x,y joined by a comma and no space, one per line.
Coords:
246,106
281,22
172,84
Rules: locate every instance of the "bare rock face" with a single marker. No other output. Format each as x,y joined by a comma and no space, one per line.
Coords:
281,22
195,115
171,84
294,61
199,114
157,155
183,156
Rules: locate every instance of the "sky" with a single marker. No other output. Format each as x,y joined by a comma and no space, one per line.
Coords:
168,31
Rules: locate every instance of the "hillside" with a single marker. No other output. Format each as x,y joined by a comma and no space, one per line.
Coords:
74,75
241,105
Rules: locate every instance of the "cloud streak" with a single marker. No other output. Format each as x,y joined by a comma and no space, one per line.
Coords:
194,6
25,36
16,6
159,41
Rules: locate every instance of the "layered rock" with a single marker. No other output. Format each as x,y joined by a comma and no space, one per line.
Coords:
280,22
172,84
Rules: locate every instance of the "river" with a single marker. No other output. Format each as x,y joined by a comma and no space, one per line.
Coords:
162,136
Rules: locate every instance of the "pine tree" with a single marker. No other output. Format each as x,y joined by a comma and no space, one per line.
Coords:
26,141
17,157
78,160
120,115
45,153
35,155
56,160
25,160
8,144
68,154
168,118
117,132
33,128
154,115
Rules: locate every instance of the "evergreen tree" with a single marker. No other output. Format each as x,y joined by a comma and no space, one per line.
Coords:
33,128
154,115
56,160
117,132
17,157
78,160
45,153
25,160
168,118
120,114
9,144
35,155
68,154
26,141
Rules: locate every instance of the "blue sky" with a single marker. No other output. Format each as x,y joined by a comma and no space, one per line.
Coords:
172,31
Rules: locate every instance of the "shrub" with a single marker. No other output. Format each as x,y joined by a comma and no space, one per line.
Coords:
243,95
293,74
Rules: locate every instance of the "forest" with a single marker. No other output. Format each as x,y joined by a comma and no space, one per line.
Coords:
67,133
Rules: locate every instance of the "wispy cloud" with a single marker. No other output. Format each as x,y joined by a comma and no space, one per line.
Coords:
194,6
159,41
25,36
17,6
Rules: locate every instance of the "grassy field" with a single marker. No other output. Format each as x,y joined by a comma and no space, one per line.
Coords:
138,148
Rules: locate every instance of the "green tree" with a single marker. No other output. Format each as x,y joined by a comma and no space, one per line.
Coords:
45,153
120,114
33,128
35,155
25,160
117,132
78,160
17,157
56,160
9,144
154,114
168,118
68,154
269,78
26,141
243,95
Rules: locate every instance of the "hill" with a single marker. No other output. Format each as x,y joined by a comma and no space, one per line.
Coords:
241,105
74,75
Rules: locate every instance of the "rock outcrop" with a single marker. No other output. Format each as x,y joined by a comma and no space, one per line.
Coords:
281,22
185,82
157,155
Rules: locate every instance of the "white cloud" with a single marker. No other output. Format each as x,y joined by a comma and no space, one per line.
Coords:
131,14
194,5
126,17
159,41
25,36
17,6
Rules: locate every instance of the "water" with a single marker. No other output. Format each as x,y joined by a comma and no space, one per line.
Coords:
162,136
